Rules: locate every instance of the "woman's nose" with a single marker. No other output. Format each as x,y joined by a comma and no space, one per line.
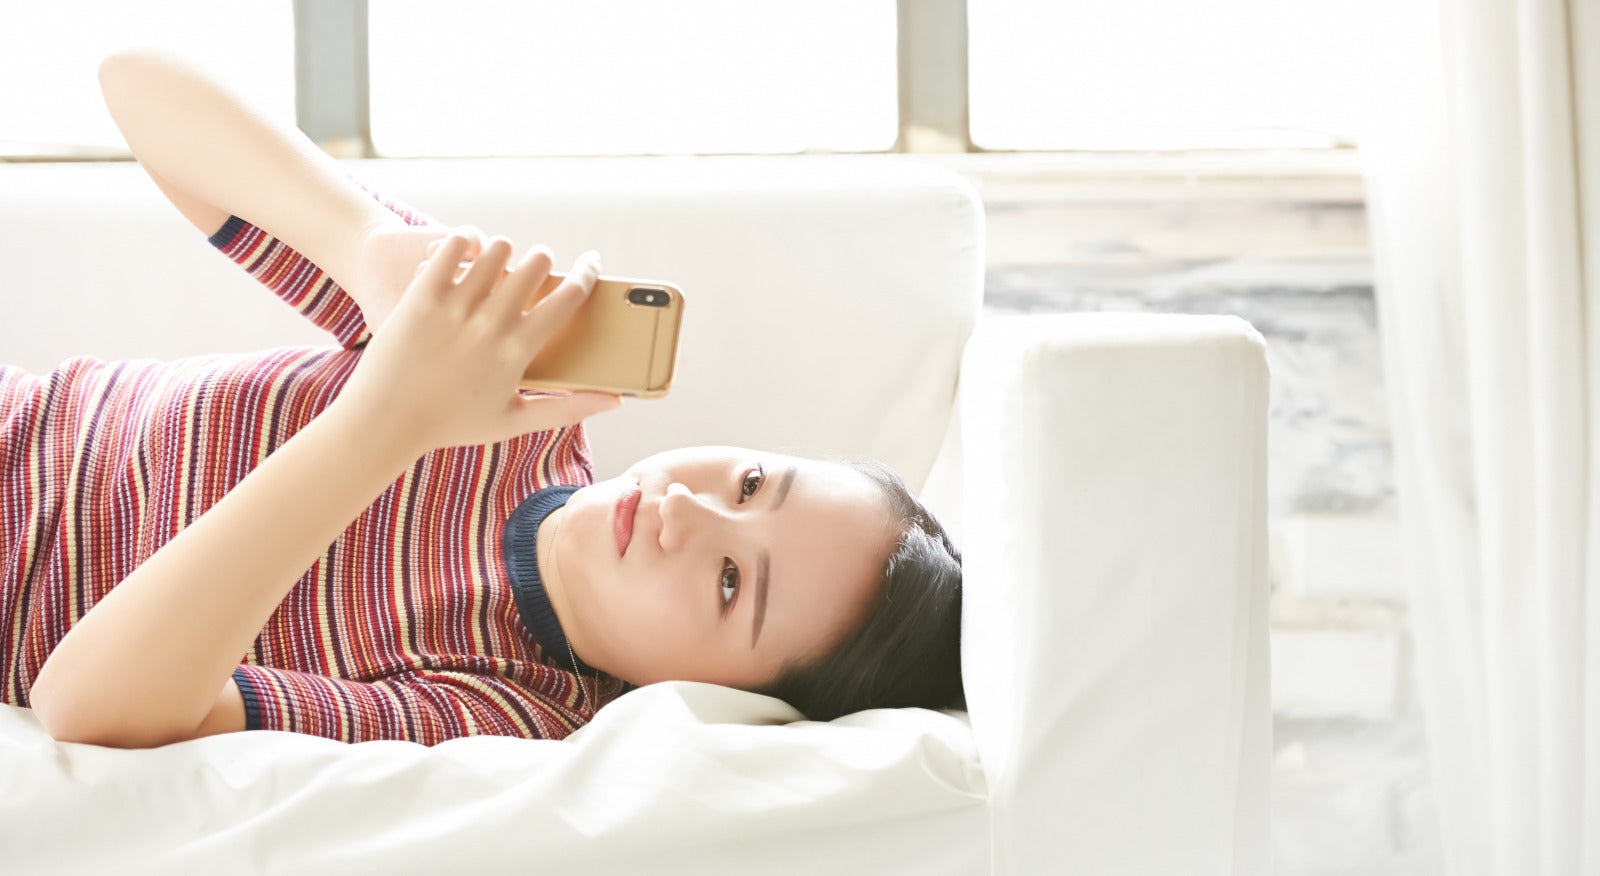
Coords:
679,508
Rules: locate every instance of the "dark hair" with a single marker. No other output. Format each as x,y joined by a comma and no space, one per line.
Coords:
906,650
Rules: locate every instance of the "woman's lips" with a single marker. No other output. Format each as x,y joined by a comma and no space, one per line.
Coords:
622,521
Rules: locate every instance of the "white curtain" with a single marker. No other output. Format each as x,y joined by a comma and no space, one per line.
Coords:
1482,167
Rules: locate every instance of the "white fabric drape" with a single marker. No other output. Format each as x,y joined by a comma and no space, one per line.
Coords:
1482,166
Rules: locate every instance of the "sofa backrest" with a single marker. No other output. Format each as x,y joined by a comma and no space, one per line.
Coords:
828,298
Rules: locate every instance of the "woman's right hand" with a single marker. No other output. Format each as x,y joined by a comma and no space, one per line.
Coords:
445,371
389,256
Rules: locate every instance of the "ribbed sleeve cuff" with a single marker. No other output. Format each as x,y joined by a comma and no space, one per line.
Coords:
226,233
293,278
426,708
252,699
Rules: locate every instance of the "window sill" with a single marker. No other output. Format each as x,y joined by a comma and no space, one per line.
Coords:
1318,175
1330,175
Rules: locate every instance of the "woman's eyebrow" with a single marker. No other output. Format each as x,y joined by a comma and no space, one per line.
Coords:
783,488
763,561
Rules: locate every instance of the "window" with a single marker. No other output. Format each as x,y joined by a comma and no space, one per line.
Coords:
539,77
50,57
510,77
1160,74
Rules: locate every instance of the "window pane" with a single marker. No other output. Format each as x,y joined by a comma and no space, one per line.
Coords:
1168,74
50,56
511,77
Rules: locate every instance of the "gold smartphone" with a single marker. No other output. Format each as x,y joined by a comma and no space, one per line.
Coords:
623,340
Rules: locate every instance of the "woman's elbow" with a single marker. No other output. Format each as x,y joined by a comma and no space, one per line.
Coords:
67,721
82,726
64,724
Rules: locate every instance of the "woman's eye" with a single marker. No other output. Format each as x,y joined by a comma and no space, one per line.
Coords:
730,582
752,482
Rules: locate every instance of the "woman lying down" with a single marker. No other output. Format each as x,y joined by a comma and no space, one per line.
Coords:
387,539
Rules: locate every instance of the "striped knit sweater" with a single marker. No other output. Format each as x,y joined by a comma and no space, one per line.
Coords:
405,627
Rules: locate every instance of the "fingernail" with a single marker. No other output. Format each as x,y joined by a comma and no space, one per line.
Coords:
532,251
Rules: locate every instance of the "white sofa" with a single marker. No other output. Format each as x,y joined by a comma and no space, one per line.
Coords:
1104,474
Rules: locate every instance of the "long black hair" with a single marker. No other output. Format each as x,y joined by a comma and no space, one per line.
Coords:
906,649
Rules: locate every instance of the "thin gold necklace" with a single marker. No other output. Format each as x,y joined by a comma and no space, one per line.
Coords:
579,674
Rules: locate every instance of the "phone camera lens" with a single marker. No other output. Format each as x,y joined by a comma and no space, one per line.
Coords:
647,297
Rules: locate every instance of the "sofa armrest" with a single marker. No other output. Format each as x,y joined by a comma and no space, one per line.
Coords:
1114,631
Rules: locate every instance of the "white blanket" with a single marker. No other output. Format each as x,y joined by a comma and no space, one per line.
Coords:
677,777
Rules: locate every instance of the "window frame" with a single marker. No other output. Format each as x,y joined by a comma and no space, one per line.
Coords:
331,107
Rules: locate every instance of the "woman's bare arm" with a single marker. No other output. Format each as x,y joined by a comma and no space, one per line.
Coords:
144,666
212,155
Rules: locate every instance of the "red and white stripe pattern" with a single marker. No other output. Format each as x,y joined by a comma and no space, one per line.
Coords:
404,628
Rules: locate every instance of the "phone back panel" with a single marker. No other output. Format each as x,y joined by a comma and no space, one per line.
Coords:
611,344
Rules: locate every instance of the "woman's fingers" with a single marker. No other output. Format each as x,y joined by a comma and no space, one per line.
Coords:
475,244
487,270
438,270
525,277
474,235
552,313
487,281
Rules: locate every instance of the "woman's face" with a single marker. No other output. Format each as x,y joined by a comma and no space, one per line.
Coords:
736,561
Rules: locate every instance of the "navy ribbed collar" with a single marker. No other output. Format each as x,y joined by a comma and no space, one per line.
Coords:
522,563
